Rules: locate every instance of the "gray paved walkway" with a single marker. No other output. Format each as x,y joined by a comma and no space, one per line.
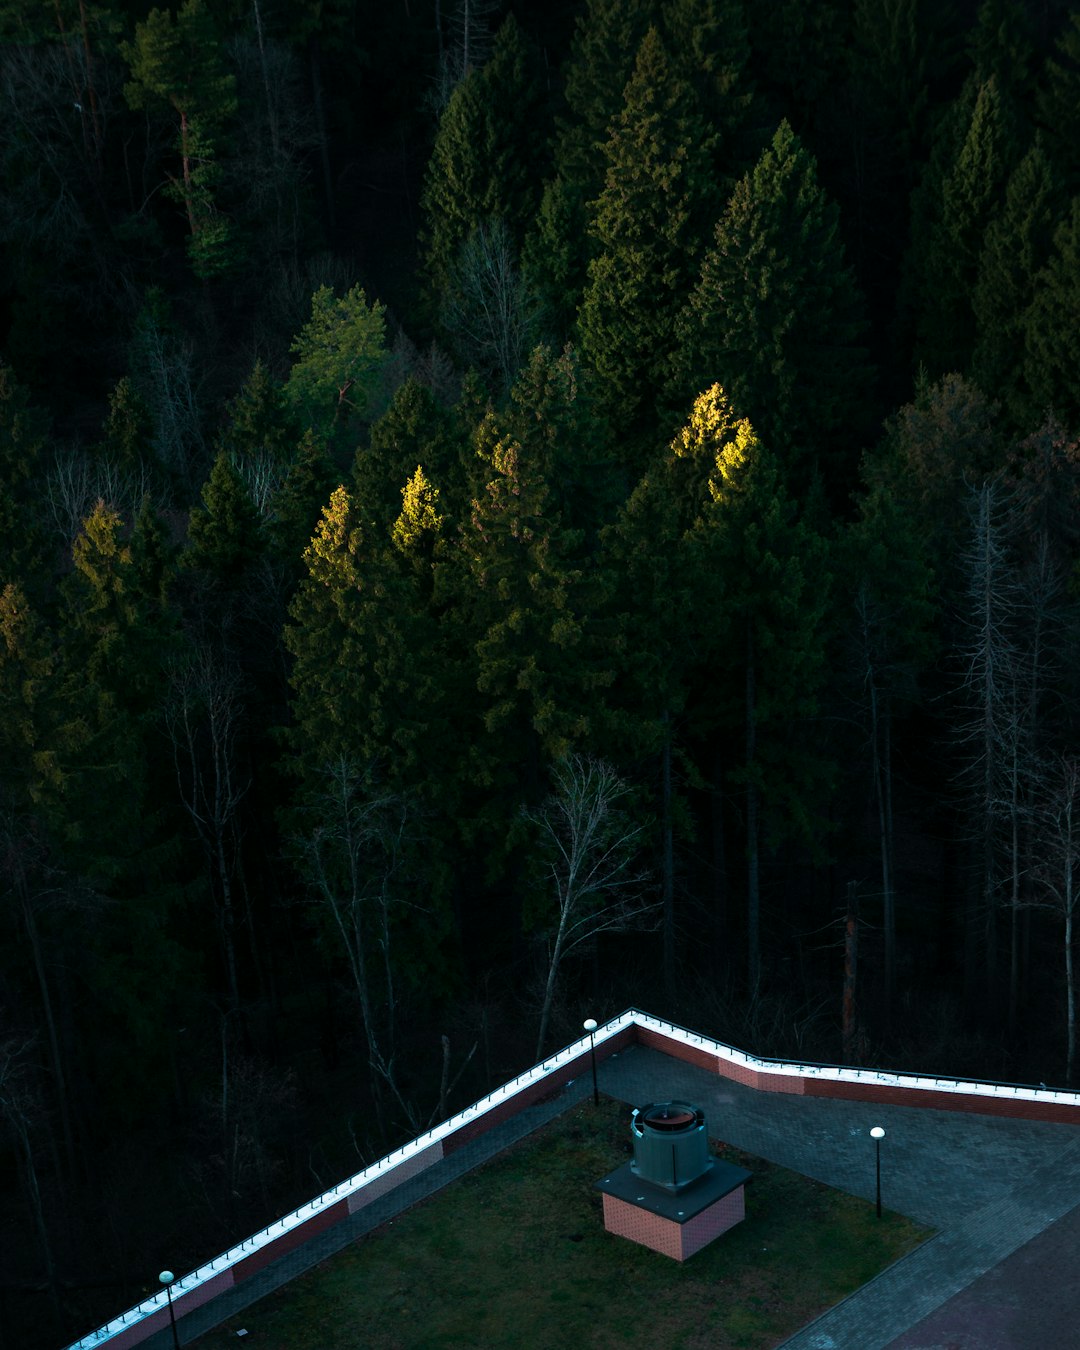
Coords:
989,1185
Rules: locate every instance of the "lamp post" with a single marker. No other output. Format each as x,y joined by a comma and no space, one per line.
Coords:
590,1027
166,1277
877,1134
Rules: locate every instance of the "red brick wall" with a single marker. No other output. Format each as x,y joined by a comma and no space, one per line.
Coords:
287,1242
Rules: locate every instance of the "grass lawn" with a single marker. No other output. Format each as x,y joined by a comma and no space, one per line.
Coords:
515,1255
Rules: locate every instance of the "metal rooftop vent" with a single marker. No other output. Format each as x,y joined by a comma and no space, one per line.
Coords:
671,1144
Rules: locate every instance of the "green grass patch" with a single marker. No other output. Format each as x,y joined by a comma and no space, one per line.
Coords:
515,1255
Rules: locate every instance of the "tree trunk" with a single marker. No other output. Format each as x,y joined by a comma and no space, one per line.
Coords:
753,897
668,860
719,865
850,1021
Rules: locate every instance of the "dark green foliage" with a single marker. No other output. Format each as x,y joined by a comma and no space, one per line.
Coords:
648,223
415,429
224,534
176,64
488,155
1016,248
22,439
126,434
1052,336
296,505
259,421
1059,103
777,319
601,61
971,192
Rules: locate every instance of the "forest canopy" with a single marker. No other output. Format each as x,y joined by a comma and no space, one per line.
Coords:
509,511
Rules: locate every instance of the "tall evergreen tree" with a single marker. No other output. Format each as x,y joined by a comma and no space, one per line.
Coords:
970,196
1052,348
778,584
1058,102
601,61
176,62
1017,246
777,319
487,159
649,222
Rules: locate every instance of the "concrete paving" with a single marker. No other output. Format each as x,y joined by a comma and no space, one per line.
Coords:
989,1185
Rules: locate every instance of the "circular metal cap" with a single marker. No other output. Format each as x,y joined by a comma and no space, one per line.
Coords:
670,1118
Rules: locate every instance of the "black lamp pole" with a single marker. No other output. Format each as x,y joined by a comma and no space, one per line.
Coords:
877,1134
590,1027
166,1277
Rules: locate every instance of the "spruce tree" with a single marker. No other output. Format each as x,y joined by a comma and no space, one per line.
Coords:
1052,348
649,223
971,192
1016,248
778,581
776,317
415,429
601,61
259,423
1058,104
487,159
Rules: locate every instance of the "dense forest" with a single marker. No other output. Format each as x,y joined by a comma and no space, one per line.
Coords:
509,511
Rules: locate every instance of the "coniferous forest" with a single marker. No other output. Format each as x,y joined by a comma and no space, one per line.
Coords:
509,511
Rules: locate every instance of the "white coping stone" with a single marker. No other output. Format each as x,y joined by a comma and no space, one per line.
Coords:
791,1069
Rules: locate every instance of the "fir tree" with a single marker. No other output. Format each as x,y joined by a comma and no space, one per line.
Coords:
1052,348
648,223
1016,248
601,61
776,316
970,194
486,160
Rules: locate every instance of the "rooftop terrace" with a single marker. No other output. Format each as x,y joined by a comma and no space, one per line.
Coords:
994,1168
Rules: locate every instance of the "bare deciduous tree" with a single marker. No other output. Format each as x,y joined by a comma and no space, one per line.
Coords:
590,846
487,310
355,861
1057,860
204,715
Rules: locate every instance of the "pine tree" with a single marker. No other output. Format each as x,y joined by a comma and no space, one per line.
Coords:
339,354
777,319
177,63
649,224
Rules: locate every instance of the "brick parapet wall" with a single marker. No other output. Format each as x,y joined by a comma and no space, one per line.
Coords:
757,1074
